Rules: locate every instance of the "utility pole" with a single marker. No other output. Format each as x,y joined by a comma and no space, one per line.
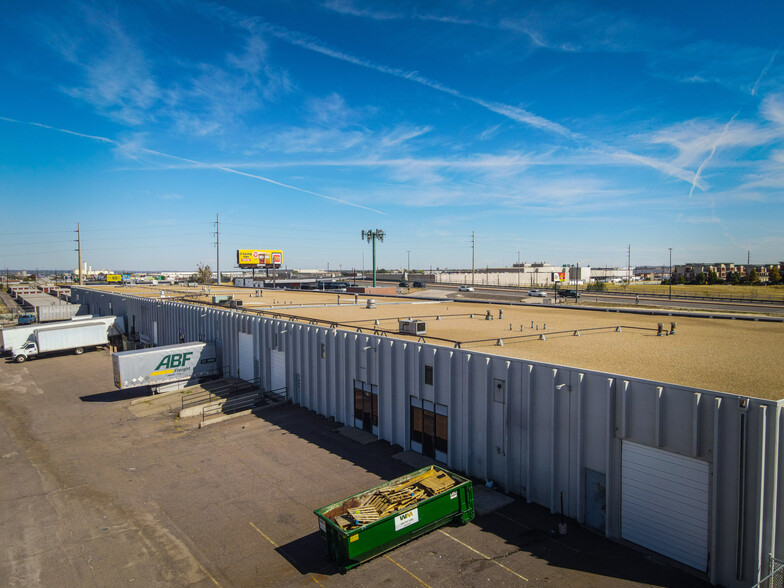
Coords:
629,265
217,245
473,258
79,249
670,248
409,261
518,270
371,236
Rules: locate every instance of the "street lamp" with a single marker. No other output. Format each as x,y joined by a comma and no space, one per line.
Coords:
670,248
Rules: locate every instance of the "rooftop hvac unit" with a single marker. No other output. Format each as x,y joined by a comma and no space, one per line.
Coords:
412,327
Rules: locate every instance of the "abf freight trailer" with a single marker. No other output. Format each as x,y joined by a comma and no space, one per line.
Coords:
77,335
170,366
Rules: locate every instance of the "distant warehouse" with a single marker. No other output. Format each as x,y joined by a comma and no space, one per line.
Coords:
687,472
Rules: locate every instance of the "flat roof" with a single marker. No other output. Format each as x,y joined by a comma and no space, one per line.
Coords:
736,356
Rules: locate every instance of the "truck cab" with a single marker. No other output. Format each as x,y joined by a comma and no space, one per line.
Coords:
24,352
27,319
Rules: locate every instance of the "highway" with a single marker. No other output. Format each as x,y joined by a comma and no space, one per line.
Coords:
604,298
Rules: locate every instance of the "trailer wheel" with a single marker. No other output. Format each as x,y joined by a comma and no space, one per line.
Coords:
20,358
79,350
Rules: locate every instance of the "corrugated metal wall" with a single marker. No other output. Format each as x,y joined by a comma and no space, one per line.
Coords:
534,429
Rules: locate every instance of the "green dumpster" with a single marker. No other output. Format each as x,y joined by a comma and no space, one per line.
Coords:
367,524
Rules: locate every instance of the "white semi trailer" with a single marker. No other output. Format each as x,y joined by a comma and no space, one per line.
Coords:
76,336
18,336
163,368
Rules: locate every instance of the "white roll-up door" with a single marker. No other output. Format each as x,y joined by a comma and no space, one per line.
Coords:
246,357
664,503
277,370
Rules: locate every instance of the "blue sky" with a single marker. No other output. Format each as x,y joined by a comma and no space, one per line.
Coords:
564,131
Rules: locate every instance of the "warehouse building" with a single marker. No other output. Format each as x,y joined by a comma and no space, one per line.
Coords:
685,472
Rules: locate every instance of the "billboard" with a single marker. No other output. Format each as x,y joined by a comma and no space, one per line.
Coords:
259,257
559,276
114,278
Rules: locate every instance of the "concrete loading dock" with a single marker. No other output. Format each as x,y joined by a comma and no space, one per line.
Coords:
536,429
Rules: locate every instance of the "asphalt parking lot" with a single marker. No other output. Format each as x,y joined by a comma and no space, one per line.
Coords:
93,495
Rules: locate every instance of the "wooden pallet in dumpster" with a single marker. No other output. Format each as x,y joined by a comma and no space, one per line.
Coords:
367,524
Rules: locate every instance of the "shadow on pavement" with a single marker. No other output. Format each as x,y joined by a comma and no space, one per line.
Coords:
117,395
528,528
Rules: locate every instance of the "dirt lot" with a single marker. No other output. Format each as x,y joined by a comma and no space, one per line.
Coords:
95,496
736,356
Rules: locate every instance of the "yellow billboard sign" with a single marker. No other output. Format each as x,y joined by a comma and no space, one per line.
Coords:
114,278
263,257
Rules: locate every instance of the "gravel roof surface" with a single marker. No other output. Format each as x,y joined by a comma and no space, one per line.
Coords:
736,356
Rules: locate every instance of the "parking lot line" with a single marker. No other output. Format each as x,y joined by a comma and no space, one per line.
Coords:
209,575
263,535
488,558
417,578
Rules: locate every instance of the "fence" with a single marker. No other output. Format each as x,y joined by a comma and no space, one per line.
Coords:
776,577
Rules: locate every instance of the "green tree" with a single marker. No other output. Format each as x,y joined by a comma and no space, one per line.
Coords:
701,278
774,276
733,278
753,276
596,287
203,275
682,280
713,278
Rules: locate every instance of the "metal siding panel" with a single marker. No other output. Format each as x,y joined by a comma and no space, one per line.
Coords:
664,503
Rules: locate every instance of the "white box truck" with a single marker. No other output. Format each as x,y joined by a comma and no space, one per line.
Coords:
169,366
17,336
77,335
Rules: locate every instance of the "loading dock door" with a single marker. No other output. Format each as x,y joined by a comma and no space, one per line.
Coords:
664,503
246,357
277,371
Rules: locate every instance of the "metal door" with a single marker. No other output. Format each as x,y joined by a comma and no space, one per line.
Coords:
664,503
246,357
595,499
277,371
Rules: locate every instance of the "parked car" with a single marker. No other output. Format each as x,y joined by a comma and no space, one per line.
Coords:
27,319
465,289
537,293
404,285
419,285
569,293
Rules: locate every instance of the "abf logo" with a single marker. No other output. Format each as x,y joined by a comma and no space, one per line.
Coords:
170,362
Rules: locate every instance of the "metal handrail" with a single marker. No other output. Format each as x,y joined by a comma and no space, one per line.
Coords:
234,404
223,391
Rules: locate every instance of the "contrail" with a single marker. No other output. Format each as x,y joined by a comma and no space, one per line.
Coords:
310,43
763,72
191,161
697,175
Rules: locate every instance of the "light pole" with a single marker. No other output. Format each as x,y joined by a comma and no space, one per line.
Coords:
670,248
371,236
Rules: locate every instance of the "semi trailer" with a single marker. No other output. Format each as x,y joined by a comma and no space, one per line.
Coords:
166,367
